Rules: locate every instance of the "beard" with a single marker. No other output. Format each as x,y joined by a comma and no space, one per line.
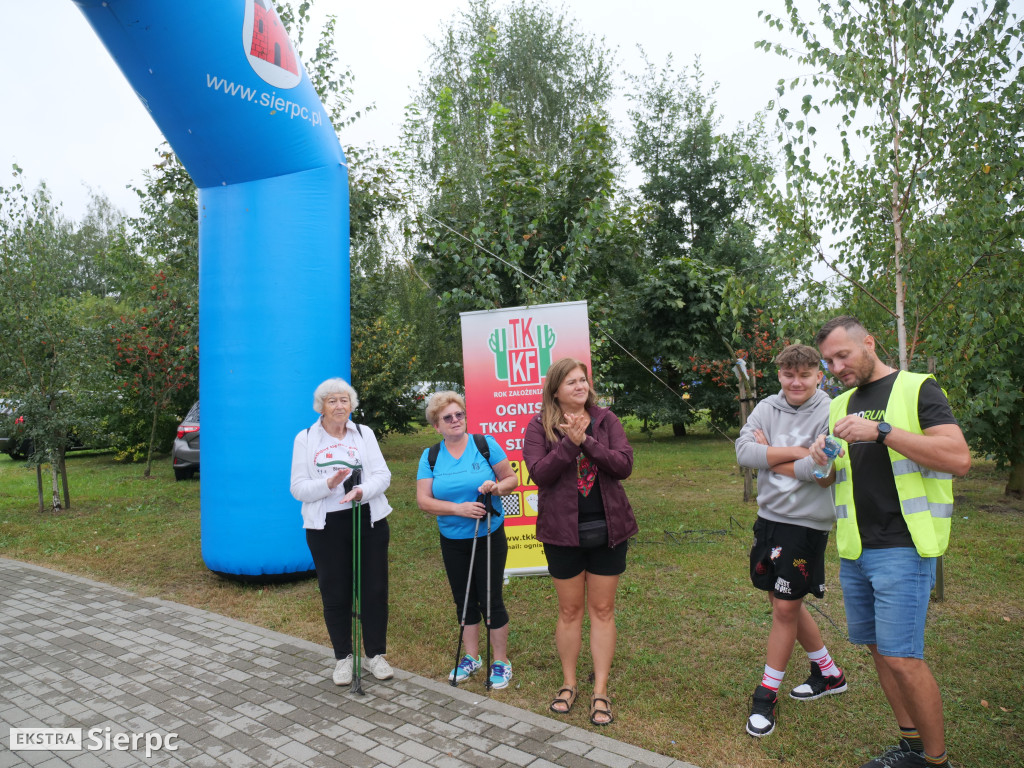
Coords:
863,369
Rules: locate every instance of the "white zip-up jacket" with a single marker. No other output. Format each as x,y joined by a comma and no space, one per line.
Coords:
311,489
780,498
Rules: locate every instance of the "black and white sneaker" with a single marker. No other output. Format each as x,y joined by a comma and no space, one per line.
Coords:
817,685
900,756
762,714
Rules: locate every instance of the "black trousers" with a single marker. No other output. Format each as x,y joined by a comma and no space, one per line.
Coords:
456,555
332,555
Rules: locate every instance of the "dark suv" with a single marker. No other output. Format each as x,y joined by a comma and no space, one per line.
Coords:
13,441
8,442
185,452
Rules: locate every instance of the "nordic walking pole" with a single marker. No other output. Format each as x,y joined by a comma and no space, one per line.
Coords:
465,605
357,587
487,623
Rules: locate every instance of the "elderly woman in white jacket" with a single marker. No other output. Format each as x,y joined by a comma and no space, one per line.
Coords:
323,458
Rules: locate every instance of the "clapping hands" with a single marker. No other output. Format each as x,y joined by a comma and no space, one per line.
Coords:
574,426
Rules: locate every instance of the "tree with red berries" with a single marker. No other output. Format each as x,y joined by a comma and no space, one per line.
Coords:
155,353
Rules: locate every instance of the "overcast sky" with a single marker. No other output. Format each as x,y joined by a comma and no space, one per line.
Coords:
70,118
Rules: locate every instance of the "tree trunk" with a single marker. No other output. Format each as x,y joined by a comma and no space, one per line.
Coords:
39,487
1015,482
64,477
748,474
897,231
679,429
55,484
152,439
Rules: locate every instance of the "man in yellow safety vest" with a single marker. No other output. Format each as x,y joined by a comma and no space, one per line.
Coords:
894,504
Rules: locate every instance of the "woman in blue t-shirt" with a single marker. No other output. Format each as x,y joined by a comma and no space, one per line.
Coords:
450,490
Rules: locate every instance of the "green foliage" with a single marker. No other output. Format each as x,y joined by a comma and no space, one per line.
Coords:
153,339
920,101
510,147
51,362
52,369
921,205
984,342
703,183
383,367
527,59
107,261
544,233
166,233
671,315
387,350
701,191
155,354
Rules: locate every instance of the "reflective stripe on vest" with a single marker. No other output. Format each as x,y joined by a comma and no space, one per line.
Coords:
925,495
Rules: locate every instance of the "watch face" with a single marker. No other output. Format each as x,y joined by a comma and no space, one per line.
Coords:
883,431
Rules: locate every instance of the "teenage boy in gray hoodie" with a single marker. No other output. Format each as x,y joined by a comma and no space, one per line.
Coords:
795,512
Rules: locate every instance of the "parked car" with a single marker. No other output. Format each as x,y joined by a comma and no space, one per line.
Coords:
185,452
15,442
12,428
7,442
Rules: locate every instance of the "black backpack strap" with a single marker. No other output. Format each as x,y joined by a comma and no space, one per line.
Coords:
432,455
481,445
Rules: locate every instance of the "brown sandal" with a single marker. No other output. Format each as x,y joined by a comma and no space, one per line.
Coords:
596,710
568,701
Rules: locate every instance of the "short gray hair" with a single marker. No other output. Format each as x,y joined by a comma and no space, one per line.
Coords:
333,387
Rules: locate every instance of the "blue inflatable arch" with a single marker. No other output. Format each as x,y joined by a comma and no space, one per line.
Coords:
225,86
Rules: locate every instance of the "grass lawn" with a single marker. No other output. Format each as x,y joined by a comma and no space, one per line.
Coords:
692,630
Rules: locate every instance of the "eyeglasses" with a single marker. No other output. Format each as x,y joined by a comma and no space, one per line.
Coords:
451,418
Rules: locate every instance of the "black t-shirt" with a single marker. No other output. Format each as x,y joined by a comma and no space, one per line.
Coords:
879,516
591,505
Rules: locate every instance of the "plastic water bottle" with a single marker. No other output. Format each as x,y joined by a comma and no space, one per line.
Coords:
831,451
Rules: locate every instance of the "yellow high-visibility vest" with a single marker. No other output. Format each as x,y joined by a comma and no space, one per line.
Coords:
925,495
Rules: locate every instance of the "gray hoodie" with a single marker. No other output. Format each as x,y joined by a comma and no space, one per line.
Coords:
782,499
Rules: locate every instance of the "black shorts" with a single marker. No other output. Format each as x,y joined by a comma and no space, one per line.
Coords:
788,560
569,562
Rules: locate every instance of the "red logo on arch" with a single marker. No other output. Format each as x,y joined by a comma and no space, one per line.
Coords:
267,46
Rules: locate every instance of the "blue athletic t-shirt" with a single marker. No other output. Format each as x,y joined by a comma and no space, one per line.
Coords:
458,480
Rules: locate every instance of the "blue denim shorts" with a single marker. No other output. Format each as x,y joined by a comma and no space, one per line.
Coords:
886,593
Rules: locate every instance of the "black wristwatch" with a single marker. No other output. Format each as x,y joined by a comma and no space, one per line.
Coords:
884,428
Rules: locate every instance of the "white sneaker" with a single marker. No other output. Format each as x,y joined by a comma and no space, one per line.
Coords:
343,671
379,667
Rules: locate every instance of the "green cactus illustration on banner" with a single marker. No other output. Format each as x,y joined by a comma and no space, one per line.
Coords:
545,342
522,351
498,342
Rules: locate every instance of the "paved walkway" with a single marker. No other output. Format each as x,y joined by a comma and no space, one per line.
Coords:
78,654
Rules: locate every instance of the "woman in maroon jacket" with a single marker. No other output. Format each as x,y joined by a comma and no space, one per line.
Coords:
577,454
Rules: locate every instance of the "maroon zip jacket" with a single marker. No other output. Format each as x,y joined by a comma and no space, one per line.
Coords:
553,468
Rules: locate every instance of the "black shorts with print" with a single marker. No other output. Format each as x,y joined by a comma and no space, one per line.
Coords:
788,560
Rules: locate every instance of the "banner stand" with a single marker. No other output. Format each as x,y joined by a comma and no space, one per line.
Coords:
506,355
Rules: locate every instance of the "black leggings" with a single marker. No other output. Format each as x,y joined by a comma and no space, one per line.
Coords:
456,554
332,555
